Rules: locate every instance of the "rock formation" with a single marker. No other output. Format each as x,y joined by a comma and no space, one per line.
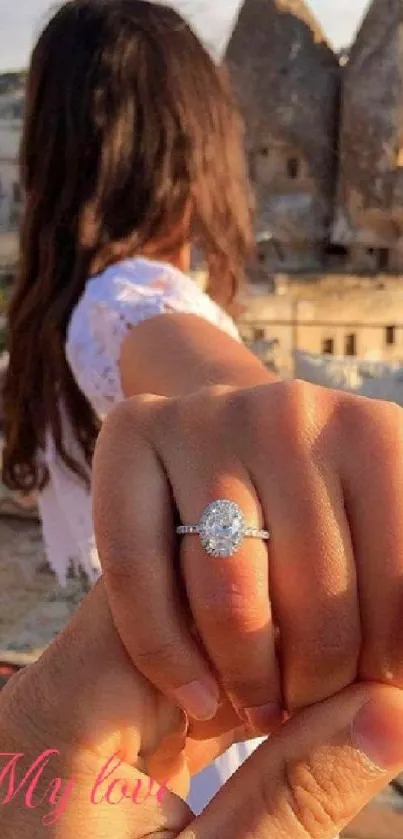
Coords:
369,212
324,137
287,79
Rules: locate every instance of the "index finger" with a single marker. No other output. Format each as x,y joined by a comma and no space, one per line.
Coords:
134,518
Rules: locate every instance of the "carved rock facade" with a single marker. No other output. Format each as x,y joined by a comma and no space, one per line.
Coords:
369,212
324,137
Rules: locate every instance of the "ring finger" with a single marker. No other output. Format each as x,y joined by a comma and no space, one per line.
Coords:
228,596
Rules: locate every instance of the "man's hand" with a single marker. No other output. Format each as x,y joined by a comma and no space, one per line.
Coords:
85,701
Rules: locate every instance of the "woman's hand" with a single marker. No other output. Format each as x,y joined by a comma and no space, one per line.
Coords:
84,701
283,625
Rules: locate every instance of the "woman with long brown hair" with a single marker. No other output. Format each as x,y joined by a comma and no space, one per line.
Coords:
131,151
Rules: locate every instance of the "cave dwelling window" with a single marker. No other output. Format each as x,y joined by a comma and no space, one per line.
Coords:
351,345
293,168
328,346
381,256
390,336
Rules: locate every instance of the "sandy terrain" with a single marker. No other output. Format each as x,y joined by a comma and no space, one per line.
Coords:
33,607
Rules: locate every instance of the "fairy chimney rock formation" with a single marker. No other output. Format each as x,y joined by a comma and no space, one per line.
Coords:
287,80
369,211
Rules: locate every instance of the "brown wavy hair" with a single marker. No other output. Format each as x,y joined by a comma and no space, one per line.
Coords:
130,136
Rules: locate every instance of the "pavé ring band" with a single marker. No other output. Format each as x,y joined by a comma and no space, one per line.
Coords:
222,529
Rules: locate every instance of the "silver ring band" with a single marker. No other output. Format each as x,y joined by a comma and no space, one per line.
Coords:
249,532
222,529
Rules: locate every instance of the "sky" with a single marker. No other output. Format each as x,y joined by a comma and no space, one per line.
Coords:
20,20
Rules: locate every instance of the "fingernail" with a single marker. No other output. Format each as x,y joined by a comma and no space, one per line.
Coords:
265,717
199,700
377,730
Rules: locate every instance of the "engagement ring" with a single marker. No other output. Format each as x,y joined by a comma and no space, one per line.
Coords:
222,529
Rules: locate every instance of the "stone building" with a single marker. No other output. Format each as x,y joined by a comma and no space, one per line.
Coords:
341,317
287,79
369,211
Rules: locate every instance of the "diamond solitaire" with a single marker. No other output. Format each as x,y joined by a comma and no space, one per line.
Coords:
222,529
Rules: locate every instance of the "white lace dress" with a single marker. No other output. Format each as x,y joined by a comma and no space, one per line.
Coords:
112,303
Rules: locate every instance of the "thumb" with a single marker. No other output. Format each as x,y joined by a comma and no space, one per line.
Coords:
315,774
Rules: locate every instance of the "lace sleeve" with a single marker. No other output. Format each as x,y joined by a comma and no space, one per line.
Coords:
117,300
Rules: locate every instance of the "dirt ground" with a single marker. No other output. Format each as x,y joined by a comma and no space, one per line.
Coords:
33,607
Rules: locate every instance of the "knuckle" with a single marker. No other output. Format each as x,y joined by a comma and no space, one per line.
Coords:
313,803
170,418
162,655
192,417
209,399
322,663
114,425
234,608
225,619
124,413
274,410
240,410
306,805
367,423
126,421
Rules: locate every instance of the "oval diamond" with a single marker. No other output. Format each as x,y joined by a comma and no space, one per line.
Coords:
222,528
